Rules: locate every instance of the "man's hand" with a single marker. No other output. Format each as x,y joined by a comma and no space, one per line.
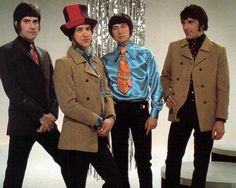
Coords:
150,124
218,130
106,127
41,129
170,103
47,122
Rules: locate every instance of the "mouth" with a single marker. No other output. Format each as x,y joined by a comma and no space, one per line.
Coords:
188,32
32,33
86,40
121,37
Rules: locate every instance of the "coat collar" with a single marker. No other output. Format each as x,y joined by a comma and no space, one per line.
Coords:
202,53
79,59
21,47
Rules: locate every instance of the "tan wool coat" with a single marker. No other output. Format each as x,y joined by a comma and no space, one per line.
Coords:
78,91
210,75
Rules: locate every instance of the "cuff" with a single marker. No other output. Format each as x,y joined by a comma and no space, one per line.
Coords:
111,116
221,119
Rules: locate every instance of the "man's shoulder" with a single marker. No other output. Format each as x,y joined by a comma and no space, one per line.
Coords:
142,49
108,56
138,50
7,46
214,44
178,42
41,49
111,53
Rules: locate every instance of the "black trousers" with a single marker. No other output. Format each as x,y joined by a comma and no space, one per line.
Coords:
78,165
132,116
179,135
18,154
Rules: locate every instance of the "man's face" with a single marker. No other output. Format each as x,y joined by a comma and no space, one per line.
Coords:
83,36
192,28
121,33
29,28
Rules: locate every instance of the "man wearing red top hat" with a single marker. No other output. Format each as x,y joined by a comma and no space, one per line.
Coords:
84,97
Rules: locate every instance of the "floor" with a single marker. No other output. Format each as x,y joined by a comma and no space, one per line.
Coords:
42,172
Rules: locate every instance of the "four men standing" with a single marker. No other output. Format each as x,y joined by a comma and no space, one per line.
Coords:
195,80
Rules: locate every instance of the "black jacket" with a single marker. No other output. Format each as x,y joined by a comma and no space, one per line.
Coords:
29,87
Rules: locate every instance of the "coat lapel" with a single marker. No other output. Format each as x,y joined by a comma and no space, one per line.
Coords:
204,51
79,59
185,50
23,51
40,55
90,70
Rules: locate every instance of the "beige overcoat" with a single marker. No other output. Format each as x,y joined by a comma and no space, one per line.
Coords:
78,92
210,76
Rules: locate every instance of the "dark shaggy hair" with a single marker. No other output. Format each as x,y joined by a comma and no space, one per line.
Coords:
118,19
22,10
195,12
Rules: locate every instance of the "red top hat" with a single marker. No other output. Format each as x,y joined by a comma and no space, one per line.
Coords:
75,15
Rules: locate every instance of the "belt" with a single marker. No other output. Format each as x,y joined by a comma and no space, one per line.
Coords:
142,103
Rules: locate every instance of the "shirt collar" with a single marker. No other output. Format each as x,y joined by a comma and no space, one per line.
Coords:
87,54
130,47
198,40
25,43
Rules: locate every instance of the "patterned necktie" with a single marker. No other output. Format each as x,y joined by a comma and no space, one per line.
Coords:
34,54
123,78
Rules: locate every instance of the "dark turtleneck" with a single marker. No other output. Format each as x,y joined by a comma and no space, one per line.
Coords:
195,44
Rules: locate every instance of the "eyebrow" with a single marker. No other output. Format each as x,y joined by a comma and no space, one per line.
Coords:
28,19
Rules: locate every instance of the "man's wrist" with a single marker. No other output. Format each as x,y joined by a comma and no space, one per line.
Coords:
221,119
111,116
98,123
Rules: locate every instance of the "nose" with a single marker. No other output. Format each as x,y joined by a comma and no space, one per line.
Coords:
32,25
185,26
121,30
85,33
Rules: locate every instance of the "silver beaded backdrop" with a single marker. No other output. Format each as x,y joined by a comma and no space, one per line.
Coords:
102,10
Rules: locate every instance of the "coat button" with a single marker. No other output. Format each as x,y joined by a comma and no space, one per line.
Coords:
177,79
181,63
87,80
204,102
200,69
202,85
88,98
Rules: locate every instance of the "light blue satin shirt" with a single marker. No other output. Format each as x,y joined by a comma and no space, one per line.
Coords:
145,78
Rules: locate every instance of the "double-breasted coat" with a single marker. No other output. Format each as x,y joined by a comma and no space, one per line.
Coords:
79,96
210,75
29,87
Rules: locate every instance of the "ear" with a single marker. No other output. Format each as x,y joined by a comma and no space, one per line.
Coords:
15,23
202,28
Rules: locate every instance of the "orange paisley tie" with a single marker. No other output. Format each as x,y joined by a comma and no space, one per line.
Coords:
123,78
